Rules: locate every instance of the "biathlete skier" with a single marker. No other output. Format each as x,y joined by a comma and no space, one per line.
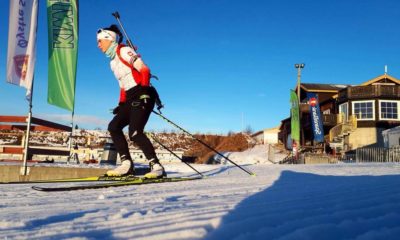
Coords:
135,104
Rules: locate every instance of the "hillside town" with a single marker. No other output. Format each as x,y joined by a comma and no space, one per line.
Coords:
95,141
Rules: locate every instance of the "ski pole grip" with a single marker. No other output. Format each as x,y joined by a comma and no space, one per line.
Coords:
116,15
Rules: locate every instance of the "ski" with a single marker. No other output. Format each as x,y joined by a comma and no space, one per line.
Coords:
84,179
137,181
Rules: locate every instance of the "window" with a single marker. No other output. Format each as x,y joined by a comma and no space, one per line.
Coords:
344,108
389,110
364,110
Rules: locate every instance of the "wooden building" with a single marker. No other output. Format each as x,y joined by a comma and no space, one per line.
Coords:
353,116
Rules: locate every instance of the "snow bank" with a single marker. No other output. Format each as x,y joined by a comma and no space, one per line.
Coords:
256,155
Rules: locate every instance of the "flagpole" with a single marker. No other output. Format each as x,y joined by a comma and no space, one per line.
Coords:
24,169
70,135
21,57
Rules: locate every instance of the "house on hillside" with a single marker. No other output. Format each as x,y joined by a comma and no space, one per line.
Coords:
266,136
374,105
353,116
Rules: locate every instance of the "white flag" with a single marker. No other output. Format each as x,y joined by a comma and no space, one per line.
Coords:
21,53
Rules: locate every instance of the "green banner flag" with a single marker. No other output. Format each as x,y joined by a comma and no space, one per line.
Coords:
62,17
295,120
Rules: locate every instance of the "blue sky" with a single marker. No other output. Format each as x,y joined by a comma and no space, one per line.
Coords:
223,64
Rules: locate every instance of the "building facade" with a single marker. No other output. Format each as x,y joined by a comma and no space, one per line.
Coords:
266,136
353,116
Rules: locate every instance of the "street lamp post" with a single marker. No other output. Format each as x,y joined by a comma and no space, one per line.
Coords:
299,66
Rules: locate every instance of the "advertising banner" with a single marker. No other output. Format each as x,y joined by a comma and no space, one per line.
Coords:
21,52
316,121
62,17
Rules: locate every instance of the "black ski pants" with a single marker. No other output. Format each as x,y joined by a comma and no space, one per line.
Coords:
135,112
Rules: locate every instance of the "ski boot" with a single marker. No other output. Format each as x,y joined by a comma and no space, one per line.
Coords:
156,170
125,169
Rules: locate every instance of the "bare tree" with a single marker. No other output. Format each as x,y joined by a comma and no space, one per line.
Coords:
230,133
248,130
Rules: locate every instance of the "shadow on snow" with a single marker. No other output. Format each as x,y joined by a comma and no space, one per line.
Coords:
308,206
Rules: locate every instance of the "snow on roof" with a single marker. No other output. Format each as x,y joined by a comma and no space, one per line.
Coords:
323,87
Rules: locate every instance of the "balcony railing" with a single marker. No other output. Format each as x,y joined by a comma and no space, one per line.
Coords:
330,119
333,119
371,91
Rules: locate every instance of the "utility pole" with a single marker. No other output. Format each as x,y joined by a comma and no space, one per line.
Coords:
299,66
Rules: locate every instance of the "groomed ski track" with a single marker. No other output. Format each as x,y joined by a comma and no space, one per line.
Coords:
109,184
282,202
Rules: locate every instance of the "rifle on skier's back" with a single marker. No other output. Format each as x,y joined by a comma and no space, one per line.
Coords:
153,90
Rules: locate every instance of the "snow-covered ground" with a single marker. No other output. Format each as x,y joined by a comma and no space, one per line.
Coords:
255,155
343,201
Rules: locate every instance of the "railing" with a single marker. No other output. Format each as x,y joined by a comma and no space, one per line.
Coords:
290,159
361,155
333,119
330,119
371,91
378,154
19,123
344,128
335,132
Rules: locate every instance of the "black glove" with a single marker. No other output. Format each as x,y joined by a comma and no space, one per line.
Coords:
116,109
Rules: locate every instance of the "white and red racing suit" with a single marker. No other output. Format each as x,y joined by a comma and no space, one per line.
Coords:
135,104
130,70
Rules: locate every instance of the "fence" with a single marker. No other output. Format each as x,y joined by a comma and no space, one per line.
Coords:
378,154
361,155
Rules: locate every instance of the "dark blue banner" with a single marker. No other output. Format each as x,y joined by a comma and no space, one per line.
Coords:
315,113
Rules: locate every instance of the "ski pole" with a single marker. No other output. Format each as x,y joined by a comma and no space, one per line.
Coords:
202,142
128,40
169,150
